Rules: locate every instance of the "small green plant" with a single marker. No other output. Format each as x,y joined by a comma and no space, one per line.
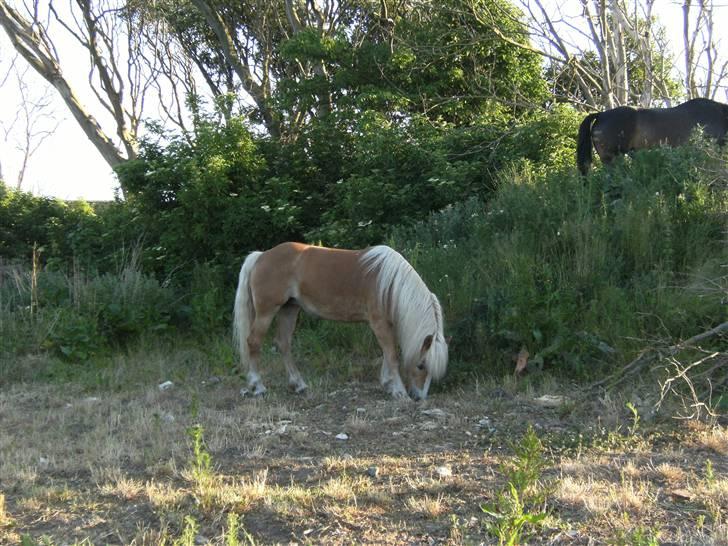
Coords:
709,472
635,419
636,537
189,532
510,518
201,466
234,529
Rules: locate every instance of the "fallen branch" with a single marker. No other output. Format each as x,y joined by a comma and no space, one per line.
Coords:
650,355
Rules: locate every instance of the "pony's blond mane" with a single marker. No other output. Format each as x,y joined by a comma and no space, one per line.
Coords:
412,308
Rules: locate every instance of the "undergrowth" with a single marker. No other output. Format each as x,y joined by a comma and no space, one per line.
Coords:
581,272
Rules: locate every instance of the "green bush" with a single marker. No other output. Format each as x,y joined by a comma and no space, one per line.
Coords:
554,264
78,317
61,232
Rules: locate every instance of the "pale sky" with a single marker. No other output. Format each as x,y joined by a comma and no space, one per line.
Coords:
68,166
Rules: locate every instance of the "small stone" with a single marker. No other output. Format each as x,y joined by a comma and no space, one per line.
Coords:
361,410
681,494
166,385
443,471
244,392
342,436
485,424
373,471
550,401
434,412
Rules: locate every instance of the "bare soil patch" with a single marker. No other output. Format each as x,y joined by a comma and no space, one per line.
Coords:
120,468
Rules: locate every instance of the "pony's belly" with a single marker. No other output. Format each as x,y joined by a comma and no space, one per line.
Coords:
335,311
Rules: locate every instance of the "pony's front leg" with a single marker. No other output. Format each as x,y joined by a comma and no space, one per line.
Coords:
389,376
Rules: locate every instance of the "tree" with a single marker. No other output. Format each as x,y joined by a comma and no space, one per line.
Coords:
34,121
704,70
118,77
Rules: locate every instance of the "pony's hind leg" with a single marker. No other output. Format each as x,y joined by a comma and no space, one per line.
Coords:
389,376
255,341
287,317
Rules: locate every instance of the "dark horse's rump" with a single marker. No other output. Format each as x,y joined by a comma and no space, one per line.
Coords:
623,129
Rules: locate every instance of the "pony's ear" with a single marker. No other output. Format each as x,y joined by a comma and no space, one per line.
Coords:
448,339
427,343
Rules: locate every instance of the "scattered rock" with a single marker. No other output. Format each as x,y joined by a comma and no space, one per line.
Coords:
443,471
485,424
681,494
361,410
434,412
91,399
166,385
429,425
550,401
168,418
342,436
373,471
244,392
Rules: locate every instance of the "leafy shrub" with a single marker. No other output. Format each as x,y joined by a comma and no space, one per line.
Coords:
62,232
553,263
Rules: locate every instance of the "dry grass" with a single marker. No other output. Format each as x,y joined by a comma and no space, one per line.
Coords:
119,468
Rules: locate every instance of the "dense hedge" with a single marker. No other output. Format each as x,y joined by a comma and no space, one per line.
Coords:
521,251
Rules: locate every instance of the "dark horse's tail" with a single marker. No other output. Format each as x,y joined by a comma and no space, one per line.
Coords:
584,144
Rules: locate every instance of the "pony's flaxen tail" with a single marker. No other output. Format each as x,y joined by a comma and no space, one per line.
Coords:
243,313
584,144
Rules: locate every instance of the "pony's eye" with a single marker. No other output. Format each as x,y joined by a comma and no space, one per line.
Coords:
421,366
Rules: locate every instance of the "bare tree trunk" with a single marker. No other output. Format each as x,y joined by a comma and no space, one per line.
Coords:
260,93
618,53
34,45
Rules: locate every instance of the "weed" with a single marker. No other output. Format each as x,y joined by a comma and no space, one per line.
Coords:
636,537
635,419
201,466
709,472
233,531
510,517
189,532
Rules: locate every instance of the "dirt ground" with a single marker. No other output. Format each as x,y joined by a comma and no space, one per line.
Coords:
345,464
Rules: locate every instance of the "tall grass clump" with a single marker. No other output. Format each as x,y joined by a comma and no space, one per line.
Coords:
73,317
582,272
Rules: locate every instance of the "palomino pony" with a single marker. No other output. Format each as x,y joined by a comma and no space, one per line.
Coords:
624,129
375,285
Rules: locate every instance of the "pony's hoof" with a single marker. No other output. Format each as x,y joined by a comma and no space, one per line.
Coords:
259,390
299,389
399,395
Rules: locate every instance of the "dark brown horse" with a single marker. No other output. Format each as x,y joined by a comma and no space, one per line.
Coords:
624,129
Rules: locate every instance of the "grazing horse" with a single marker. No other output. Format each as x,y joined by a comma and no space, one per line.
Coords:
375,285
624,129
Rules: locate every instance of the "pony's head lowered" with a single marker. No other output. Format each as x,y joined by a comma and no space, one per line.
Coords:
417,316
431,362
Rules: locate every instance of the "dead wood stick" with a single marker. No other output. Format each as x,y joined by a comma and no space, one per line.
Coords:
648,355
